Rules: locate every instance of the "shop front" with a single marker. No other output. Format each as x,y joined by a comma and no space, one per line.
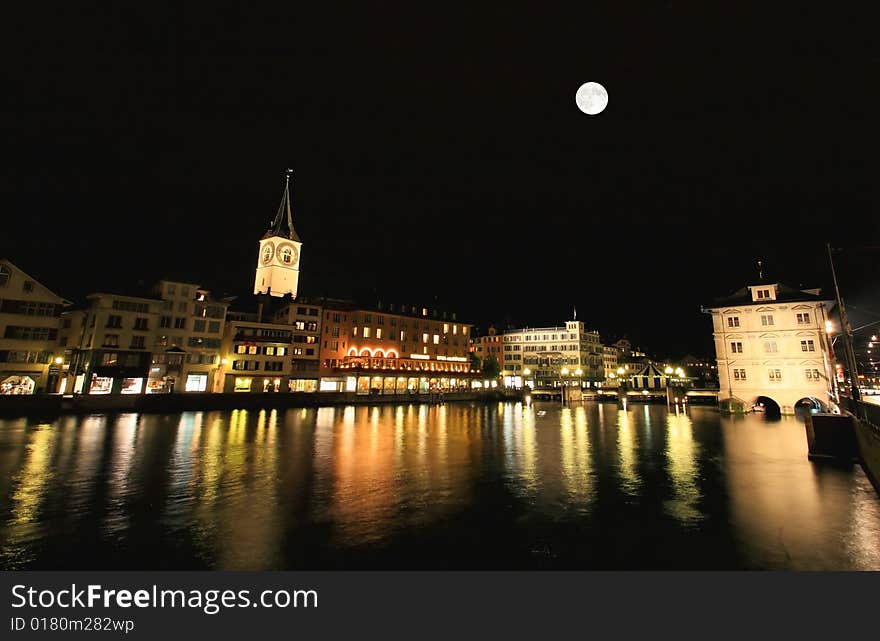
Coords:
15,384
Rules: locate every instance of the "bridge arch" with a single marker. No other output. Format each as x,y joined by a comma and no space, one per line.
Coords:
810,403
768,406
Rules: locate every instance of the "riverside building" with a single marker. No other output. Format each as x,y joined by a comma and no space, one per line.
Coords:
109,344
394,350
772,349
186,352
30,319
547,357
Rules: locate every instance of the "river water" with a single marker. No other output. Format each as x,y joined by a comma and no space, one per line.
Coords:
498,486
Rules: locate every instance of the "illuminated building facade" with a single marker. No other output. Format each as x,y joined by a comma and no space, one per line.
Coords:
30,320
393,350
256,356
303,317
609,363
771,342
490,345
109,344
186,353
547,357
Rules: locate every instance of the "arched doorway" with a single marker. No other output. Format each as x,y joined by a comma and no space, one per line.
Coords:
767,406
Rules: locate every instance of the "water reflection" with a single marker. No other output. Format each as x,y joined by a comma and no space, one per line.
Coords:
682,459
428,486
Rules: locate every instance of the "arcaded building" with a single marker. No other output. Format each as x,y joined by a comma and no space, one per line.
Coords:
772,348
393,349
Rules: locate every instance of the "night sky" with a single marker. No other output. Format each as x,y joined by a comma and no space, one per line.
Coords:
438,153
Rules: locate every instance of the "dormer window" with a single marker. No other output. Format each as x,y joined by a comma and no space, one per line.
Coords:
763,293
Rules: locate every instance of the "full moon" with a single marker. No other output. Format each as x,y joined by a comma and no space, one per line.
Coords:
591,98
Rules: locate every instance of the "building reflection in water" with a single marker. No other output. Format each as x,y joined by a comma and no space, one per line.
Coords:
575,455
682,466
790,513
320,487
628,451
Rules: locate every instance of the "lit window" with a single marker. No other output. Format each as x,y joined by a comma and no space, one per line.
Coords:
366,332
378,332
436,339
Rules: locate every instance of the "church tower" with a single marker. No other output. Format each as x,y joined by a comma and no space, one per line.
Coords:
278,262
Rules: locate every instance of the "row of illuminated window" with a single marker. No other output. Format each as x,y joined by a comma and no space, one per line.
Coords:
771,347
112,359
773,374
114,321
245,384
549,348
258,332
178,323
589,337
28,308
802,318
197,358
307,326
30,333
252,366
534,360
112,340
268,350
129,306
182,306
21,356
377,333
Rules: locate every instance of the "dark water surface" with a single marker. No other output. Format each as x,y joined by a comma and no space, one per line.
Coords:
453,486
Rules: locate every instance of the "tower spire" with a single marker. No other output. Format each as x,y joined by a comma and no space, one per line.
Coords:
284,214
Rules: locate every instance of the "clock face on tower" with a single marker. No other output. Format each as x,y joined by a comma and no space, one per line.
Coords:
267,253
287,254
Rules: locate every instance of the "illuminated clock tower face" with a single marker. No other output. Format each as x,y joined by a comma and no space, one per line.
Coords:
267,254
288,255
